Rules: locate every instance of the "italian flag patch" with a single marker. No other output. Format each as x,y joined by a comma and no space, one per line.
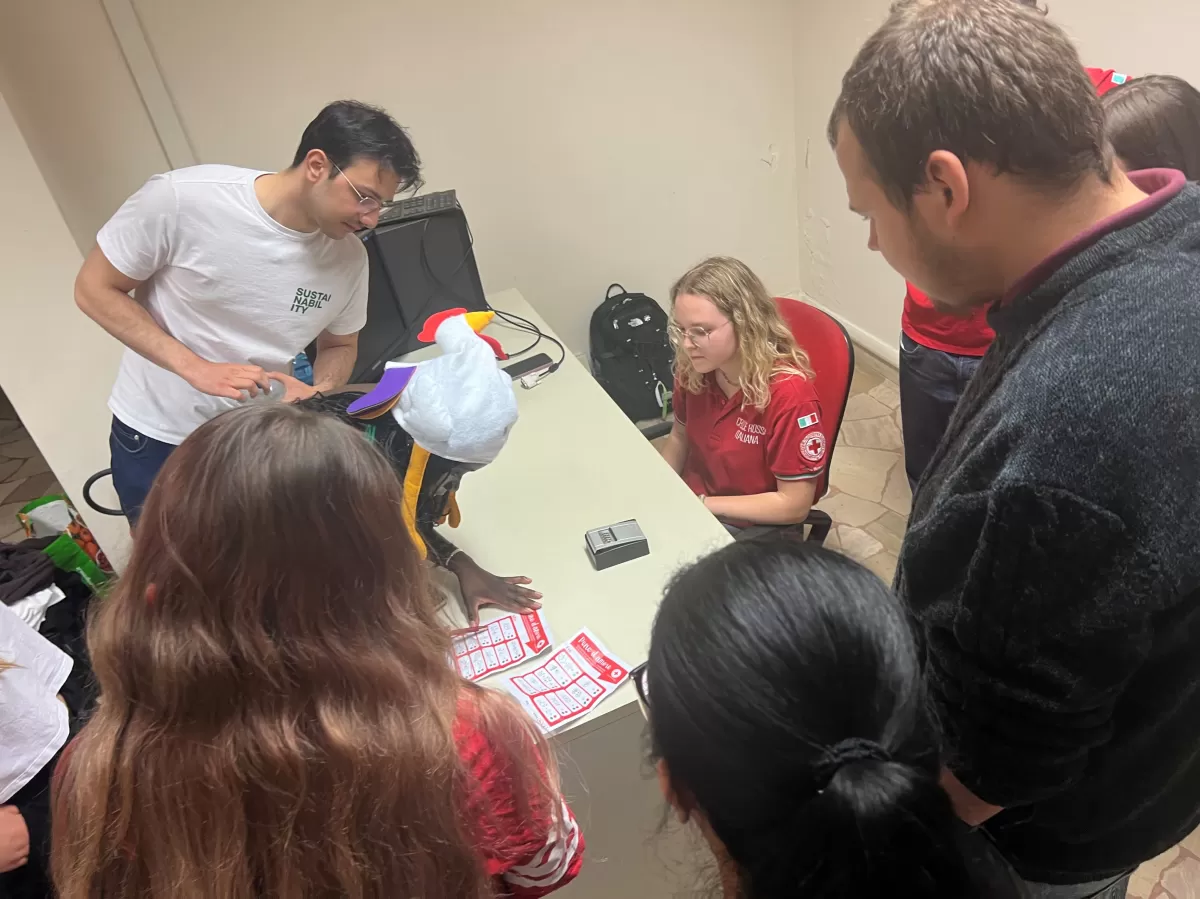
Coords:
807,421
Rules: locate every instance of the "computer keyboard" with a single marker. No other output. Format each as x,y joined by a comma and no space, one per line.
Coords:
418,207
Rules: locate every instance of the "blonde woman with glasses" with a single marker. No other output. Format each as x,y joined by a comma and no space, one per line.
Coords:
749,433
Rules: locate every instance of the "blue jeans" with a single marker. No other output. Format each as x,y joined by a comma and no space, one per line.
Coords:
136,460
931,381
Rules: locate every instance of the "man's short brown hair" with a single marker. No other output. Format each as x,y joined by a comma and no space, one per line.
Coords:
992,81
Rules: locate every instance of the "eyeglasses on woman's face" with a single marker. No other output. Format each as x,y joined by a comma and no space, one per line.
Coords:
696,336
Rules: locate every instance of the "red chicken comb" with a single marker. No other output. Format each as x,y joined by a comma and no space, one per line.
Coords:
477,320
429,332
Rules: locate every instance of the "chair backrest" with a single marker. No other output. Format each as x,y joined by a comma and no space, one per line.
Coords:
831,354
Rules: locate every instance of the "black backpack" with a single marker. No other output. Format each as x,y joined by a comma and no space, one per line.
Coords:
631,354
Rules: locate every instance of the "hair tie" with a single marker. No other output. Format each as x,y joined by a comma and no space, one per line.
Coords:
847,752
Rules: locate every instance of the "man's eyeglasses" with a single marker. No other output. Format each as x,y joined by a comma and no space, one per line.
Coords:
697,336
366,204
638,676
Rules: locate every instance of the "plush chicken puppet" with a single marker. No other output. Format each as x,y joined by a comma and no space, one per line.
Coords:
435,421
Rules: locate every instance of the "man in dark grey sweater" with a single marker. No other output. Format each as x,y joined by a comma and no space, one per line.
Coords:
1052,562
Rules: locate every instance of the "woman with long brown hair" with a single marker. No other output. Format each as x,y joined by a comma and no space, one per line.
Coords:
278,715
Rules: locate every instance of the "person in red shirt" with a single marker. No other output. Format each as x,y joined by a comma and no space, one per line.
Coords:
1153,122
279,715
939,354
749,436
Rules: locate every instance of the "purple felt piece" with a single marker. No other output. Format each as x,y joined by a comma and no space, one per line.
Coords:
390,386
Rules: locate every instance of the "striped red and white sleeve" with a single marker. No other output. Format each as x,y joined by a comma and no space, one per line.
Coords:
555,862
528,852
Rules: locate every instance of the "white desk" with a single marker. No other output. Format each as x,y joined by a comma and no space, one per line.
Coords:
575,462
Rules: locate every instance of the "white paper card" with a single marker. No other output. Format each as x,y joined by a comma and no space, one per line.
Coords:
576,678
499,644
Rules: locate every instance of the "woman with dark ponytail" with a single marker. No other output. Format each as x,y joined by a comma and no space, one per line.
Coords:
788,719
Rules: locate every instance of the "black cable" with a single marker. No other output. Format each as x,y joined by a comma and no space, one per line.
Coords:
509,318
518,324
524,324
523,351
514,320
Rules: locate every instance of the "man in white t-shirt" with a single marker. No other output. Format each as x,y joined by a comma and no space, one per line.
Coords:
236,271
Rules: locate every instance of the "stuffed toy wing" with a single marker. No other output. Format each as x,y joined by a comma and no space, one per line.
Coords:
385,395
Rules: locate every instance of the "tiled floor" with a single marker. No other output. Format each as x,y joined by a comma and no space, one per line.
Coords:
24,474
1173,875
868,494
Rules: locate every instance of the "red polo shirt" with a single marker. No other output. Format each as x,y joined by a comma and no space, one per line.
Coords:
924,324
969,336
736,450
1105,80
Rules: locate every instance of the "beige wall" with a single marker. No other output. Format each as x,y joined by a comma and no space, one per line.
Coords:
1150,37
589,142
68,87
836,269
55,365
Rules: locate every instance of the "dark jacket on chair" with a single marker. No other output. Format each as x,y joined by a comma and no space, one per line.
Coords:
1052,562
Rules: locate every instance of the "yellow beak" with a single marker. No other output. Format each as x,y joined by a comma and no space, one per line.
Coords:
479,320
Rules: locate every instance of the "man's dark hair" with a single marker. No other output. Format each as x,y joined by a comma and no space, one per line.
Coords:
1153,122
347,131
992,81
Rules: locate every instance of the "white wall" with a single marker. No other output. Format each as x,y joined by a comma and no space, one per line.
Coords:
55,364
589,142
836,269
71,93
1160,39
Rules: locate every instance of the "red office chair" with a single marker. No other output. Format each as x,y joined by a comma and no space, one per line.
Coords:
831,355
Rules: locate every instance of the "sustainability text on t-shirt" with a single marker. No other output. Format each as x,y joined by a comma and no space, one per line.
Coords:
227,281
